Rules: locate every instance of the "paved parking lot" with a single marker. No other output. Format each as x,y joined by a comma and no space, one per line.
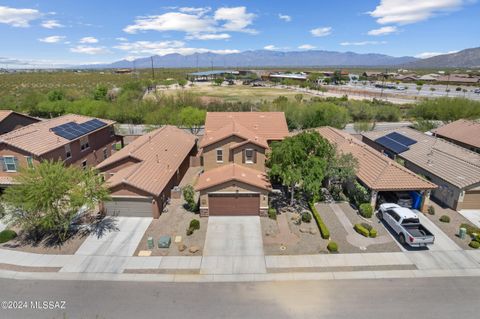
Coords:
233,245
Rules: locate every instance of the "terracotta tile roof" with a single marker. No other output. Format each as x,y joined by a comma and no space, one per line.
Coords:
232,172
451,163
230,129
38,139
160,153
269,125
463,131
375,170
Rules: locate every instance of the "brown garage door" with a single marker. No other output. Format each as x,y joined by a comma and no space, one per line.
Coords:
233,204
471,200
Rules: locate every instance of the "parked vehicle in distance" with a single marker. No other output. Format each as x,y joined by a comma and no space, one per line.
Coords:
477,91
406,224
401,88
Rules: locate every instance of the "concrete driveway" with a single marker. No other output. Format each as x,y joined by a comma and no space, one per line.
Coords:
233,245
473,215
442,241
120,239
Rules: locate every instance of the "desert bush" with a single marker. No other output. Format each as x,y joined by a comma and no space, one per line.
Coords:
361,230
7,235
195,224
306,217
444,219
431,210
332,247
366,210
321,225
272,213
474,244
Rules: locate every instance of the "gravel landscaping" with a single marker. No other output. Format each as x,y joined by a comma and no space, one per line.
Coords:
173,223
451,228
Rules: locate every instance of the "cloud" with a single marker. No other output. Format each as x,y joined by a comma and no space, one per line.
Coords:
86,49
197,11
88,40
362,43
321,32
284,17
195,21
425,55
306,47
20,18
51,24
412,11
164,48
208,36
383,30
123,39
52,39
271,47
236,19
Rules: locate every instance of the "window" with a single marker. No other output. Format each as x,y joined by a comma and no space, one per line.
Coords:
394,215
84,143
10,163
84,164
219,155
68,151
249,156
105,153
29,161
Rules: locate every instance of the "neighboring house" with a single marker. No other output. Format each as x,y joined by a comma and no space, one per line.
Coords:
454,169
75,139
377,172
465,133
234,150
11,120
142,174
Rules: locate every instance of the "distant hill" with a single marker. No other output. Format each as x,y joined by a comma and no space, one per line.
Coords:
263,58
468,58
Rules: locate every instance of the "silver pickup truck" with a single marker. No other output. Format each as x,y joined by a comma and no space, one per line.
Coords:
406,225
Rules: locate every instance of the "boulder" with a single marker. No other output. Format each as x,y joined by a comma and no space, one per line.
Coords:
182,247
193,249
304,230
313,231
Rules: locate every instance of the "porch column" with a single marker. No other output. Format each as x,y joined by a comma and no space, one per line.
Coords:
373,199
425,200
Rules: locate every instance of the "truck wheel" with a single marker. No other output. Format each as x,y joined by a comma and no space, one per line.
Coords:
402,239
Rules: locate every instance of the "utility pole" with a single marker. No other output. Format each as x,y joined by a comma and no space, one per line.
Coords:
153,70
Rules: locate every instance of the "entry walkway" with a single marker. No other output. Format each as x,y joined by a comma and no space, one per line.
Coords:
233,246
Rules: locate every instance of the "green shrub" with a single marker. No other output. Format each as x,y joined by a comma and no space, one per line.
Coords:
445,219
373,233
431,210
306,217
195,224
7,235
474,244
189,196
190,231
470,229
361,230
366,210
321,225
367,226
272,213
332,247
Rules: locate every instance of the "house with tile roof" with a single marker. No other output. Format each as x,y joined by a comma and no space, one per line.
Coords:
74,139
377,172
234,150
142,175
11,120
465,133
456,170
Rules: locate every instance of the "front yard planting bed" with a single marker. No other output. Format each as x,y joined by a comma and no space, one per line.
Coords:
451,228
173,223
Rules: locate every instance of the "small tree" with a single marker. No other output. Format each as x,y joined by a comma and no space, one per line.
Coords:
189,196
46,199
361,127
192,118
100,92
182,83
218,81
298,98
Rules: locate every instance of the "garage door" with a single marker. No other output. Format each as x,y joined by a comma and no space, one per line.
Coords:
233,204
136,207
471,200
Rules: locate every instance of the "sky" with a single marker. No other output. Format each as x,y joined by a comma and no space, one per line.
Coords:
60,32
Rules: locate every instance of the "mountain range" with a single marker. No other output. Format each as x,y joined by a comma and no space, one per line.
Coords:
468,58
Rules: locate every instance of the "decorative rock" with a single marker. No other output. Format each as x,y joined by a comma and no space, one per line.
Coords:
313,231
304,230
194,249
182,247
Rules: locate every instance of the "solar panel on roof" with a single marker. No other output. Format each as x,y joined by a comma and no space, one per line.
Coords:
391,144
72,130
402,139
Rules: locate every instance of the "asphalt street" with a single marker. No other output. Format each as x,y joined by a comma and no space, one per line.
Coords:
396,298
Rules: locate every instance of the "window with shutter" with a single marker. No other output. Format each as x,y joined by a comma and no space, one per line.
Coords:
10,163
249,156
